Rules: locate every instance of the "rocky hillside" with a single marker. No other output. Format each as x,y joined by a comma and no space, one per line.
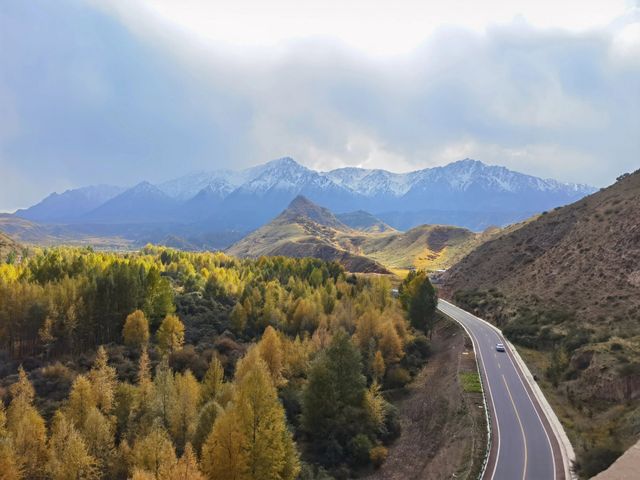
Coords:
567,287
9,249
305,229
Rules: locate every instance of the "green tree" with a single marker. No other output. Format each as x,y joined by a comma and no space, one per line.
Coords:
419,298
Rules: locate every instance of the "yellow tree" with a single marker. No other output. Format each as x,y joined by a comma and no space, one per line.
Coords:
223,455
98,432
136,330
376,406
27,428
104,380
82,399
68,454
238,318
212,381
187,467
183,411
154,454
271,454
164,387
9,467
270,348
170,335
390,344
378,366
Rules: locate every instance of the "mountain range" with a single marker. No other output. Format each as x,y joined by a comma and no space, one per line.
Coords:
208,209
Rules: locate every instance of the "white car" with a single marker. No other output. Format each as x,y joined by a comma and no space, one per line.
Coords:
500,347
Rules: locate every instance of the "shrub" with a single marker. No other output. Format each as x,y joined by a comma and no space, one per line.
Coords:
397,377
359,448
378,455
594,461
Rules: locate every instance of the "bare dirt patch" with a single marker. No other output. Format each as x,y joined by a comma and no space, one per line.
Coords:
443,427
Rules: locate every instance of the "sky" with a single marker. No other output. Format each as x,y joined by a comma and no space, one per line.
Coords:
119,91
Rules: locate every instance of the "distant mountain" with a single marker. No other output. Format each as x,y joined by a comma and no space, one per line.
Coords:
567,286
305,230
364,221
70,205
143,203
226,203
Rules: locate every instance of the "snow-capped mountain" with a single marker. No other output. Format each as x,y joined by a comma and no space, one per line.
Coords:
467,193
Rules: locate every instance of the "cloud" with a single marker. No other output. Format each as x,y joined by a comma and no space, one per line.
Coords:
106,92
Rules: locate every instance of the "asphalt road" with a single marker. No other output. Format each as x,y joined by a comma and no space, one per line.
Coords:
523,444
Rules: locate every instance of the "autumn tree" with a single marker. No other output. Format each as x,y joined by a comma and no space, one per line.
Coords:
270,348
207,416
103,380
187,467
170,335
212,381
154,454
165,391
378,366
136,330
9,466
69,457
250,440
27,428
223,454
183,410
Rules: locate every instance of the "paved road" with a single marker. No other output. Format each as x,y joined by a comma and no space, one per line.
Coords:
523,444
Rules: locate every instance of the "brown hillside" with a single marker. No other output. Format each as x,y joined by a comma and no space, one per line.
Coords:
566,287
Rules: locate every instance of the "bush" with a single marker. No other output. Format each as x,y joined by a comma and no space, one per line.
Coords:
378,455
594,461
397,377
359,448
392,427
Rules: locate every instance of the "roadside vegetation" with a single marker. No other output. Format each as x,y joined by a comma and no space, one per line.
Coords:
162,364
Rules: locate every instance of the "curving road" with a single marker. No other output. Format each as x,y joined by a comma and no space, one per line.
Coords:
523,445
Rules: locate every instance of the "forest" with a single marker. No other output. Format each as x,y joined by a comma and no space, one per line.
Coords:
162,364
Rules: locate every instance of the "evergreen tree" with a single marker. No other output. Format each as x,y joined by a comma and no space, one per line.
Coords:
212,381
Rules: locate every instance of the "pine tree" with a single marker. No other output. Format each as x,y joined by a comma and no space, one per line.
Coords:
170,335
136,330
68,455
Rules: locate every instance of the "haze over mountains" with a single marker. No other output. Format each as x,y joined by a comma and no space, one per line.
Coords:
207,207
